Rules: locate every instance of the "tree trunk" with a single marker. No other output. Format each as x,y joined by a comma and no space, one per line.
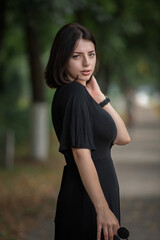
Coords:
2,33
36,74
8,149
104,78
2,21
39,131
39,111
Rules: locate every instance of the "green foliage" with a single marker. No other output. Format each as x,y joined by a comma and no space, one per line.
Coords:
14,104
128,43
14,91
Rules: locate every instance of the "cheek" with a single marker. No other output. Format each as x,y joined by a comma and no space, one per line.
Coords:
73,66
94,63
72,69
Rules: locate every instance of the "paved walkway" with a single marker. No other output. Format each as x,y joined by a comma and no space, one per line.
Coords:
138,170
138,163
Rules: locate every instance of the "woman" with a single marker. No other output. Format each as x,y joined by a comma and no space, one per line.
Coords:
86,126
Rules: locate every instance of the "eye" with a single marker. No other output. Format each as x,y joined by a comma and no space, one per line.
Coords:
76,56
92,54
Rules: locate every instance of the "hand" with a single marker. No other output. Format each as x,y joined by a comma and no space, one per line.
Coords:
94,90
107,221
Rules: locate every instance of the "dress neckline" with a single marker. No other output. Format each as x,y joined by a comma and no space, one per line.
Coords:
87,92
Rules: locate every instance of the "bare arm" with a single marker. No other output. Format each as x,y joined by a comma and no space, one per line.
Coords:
105,218
122,137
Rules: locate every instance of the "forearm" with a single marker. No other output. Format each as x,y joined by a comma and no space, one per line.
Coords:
90,178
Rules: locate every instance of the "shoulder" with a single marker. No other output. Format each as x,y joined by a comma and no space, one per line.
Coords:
73,89
71,95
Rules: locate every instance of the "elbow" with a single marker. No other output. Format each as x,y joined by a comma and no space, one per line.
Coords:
123,141
127,140
80,153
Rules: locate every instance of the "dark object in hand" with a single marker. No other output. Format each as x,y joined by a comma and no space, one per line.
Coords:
123,233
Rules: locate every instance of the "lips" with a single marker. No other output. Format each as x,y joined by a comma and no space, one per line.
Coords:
86,72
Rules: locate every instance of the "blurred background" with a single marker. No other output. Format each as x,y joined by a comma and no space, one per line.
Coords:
128,38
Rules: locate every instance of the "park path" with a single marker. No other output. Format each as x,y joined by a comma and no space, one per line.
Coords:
138,163
138,170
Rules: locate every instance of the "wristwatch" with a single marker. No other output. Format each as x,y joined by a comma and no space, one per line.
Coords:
104,102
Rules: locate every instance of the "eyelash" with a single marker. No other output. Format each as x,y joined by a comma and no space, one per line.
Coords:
77,56
92,54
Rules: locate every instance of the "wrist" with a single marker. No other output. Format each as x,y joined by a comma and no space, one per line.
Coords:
104,102
101,207
100,98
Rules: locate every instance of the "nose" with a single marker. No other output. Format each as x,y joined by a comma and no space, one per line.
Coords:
85,61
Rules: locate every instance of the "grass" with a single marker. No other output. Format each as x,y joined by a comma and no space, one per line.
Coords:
28,193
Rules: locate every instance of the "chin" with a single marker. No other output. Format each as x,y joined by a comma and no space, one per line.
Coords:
87,78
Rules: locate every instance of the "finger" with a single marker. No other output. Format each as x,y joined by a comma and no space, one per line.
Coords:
114,231
105,233
118,226
115,228
99,229
110,233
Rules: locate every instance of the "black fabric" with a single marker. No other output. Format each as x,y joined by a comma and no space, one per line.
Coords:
77,126
80,122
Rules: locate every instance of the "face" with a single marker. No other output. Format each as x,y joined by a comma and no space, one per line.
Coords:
82,63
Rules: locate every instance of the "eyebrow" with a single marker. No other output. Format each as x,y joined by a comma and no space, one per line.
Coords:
82,52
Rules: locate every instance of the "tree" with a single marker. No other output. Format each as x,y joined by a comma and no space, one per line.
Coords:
30,15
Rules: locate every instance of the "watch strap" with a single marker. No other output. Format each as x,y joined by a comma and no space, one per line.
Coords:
104,102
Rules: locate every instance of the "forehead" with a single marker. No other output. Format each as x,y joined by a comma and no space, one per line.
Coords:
83,45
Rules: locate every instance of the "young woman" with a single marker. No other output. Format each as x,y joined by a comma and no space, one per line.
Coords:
86,126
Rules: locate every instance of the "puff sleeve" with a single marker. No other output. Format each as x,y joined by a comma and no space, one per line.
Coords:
77,125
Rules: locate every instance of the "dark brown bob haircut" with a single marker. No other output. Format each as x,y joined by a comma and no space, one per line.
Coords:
62,49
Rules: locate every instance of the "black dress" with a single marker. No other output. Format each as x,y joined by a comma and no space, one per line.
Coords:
80,122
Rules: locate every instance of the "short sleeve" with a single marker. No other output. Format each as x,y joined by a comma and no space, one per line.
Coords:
77,126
